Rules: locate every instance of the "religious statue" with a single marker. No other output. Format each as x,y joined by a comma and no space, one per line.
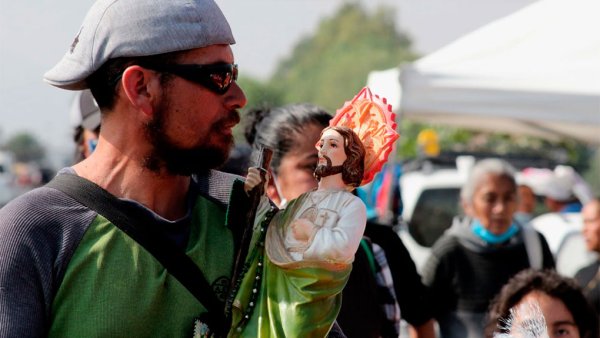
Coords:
301,256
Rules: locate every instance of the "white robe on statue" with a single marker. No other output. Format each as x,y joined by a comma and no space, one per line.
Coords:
339,220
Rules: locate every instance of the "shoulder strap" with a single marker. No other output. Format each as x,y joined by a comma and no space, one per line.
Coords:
532,246
177,263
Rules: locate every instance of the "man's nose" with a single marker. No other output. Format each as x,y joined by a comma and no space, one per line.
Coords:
237,97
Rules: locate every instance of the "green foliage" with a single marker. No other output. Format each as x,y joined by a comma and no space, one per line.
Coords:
592,174
407,143
583,158
25,147
258,94
330,67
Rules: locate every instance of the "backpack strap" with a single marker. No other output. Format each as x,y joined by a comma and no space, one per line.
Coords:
533,246
173,258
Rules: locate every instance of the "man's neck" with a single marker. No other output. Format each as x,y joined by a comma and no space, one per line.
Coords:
125,177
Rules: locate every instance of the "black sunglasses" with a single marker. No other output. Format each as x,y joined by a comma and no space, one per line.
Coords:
216,77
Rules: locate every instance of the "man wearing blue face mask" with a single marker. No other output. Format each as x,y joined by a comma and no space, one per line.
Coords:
471,262
85,118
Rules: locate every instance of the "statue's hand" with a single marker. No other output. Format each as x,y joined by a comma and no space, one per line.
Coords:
255,177
302,229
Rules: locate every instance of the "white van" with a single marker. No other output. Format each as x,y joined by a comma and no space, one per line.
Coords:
430,199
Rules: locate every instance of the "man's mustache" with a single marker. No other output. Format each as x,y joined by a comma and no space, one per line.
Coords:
232,118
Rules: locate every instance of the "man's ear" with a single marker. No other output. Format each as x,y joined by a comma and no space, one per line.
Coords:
140,86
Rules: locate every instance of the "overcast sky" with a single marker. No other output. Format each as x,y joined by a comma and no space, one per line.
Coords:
34,34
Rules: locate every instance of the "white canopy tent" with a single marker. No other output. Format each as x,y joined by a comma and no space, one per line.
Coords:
535,72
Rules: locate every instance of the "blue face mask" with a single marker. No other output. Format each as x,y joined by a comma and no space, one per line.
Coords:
92,144
480,231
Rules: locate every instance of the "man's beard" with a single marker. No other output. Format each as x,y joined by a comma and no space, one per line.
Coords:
178,161
324,170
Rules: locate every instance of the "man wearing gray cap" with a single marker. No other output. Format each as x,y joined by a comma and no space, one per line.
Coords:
126,243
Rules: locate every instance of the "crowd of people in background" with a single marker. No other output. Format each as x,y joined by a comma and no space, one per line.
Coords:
479,256
494,273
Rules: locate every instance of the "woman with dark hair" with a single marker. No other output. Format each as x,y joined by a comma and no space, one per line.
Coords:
291,132
562,306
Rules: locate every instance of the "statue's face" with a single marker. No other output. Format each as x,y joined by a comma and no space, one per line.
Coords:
331,146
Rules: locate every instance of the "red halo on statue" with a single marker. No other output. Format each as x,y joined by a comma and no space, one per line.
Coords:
372,119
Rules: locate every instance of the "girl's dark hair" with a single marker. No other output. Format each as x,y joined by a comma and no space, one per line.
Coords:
279,128
550,283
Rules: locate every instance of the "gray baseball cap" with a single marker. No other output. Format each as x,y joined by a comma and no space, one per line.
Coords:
130,28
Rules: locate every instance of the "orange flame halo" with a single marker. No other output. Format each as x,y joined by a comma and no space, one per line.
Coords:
373,121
